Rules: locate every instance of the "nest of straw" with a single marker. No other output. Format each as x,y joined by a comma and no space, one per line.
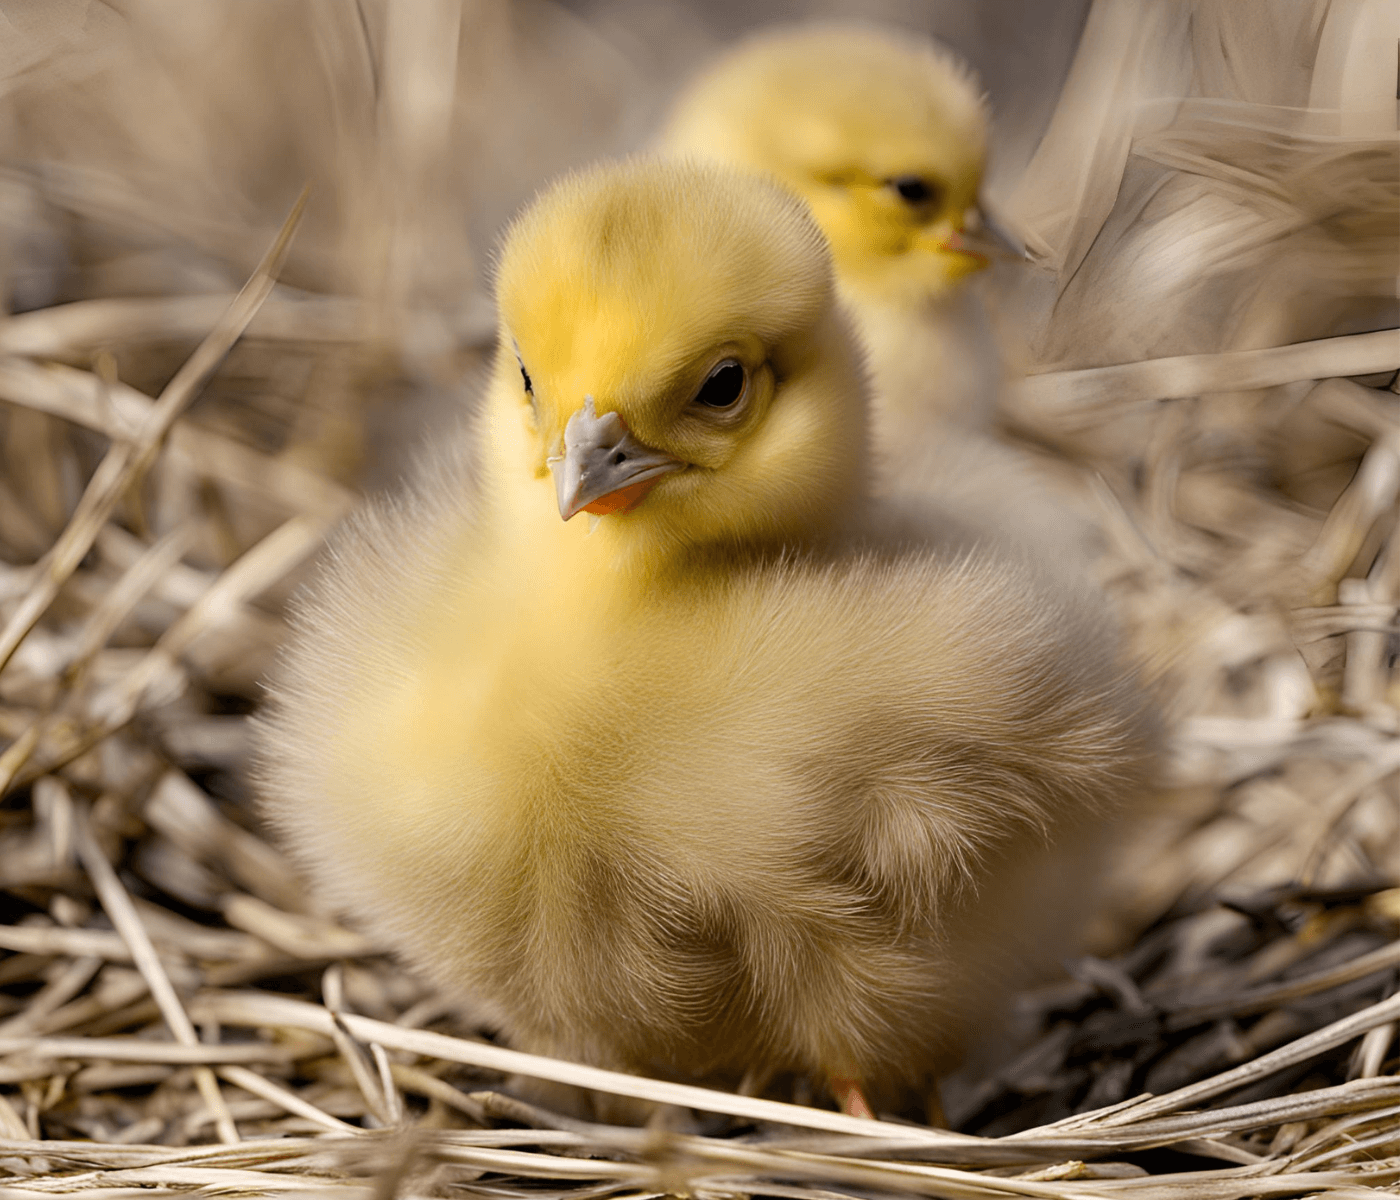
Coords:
177,1016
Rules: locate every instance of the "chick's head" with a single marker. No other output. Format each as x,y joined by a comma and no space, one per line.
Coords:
672,358
883,136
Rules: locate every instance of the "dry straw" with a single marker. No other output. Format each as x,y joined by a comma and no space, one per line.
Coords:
176,1017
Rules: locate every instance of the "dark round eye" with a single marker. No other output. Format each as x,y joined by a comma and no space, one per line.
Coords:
914,190
723,387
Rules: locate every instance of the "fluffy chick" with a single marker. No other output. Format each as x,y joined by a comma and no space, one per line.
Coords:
748,777
885,137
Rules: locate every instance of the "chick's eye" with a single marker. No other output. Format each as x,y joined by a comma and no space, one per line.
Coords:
524,374
723,387
913,189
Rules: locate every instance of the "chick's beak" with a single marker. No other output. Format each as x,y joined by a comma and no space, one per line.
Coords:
977,238
962,257
986,234
604,469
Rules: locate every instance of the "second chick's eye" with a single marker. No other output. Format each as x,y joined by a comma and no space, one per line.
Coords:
913,189
723,387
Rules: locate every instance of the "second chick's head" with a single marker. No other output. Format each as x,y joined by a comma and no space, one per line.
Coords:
672,358
884,135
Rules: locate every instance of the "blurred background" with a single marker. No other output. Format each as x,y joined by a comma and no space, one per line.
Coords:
1199,178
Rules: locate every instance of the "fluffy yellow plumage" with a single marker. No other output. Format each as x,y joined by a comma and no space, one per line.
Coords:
753,775
884,135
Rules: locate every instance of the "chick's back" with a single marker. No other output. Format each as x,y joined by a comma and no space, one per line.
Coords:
793,812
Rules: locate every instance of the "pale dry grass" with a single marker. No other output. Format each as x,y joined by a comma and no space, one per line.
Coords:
177,1017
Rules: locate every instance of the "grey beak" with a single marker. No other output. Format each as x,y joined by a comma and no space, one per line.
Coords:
601,457
987,234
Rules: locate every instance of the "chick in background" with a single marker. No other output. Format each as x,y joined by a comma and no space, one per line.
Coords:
884,135
751,777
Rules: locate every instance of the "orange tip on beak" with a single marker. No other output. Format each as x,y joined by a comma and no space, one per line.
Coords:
623,499
956,245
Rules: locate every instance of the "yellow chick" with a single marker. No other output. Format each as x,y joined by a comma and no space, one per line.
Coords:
884,136
749,776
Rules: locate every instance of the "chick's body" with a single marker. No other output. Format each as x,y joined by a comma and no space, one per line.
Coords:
752,776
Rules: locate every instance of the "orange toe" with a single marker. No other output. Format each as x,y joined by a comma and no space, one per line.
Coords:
850,1097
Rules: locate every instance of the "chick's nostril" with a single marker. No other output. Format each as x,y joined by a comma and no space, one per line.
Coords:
618,459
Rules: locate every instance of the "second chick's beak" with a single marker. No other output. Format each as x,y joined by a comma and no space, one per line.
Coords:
604,469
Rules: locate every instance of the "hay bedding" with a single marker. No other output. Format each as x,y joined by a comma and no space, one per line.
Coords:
1206,376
